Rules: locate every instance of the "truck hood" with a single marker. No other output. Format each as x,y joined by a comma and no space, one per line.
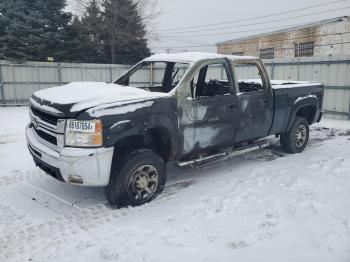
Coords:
80,96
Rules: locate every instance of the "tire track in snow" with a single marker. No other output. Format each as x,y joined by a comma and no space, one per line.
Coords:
46,238
18,177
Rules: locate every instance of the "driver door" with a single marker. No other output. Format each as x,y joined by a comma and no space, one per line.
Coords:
208,111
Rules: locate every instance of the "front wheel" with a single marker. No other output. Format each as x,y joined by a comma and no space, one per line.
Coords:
137,177
296,139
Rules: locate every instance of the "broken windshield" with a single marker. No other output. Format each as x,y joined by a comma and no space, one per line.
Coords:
155,76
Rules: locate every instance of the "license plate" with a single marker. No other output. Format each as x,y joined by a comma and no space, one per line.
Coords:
80,126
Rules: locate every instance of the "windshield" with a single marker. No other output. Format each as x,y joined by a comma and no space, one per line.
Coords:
155,76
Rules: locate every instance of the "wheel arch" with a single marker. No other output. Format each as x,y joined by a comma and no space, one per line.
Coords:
157,139
306,108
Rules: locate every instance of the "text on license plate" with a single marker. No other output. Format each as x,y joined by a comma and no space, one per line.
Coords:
80,126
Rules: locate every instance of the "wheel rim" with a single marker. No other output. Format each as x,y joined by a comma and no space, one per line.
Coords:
143,183
300,136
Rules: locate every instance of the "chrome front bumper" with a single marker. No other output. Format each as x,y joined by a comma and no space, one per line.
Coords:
86,167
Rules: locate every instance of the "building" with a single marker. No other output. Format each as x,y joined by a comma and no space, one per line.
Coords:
324,38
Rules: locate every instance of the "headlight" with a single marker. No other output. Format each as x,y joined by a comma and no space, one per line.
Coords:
84,133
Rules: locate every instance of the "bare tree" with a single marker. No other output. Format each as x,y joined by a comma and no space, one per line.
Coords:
150,11
129,24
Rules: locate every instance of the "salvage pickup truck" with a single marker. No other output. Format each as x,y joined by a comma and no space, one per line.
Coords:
189,108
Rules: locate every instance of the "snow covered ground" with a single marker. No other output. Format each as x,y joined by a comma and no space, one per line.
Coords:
266,206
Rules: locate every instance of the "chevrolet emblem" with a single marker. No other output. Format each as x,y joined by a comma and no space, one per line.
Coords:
35,123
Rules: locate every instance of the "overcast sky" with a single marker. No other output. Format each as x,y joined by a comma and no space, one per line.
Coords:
192,13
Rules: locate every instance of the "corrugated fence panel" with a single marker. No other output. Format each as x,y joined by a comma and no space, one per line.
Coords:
286,72
158,75
96,74
48,74
243,72
118,71
72,74
215,72
140,77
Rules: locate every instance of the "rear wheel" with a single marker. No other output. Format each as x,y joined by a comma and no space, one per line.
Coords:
296,139
137,177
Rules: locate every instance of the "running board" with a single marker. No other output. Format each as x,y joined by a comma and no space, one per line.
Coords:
225,154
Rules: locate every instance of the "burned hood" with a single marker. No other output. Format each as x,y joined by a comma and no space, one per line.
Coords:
76,97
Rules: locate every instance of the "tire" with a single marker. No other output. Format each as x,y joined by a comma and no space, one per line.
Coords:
137,177
296,139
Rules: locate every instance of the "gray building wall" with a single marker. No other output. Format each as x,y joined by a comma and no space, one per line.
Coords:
331,37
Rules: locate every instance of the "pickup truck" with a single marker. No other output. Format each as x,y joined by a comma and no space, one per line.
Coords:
185,108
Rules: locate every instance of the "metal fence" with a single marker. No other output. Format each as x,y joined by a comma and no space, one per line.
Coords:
332,71
19,81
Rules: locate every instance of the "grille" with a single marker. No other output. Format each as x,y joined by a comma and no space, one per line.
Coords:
49,138
45,117
48,127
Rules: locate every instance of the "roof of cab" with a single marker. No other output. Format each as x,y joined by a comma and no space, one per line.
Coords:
192,57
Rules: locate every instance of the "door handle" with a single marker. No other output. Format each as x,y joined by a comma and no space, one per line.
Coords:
230,106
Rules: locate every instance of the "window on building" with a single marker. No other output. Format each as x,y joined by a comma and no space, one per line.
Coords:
267,53
238,53
304,49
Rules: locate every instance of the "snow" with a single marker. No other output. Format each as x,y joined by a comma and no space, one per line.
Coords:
282,84
193,57
305,97
45,108
120,123
286,82
265,206
118,109
89,94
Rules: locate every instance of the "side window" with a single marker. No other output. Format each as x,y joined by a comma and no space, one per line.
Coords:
178,73
249,78
210,80
157,76
141,78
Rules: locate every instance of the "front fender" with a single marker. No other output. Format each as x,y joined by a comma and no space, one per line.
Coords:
140,127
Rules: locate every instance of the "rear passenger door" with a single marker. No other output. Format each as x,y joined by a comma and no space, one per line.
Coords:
255,101
208,111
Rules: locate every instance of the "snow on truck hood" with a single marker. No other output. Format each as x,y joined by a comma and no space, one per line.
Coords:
84,95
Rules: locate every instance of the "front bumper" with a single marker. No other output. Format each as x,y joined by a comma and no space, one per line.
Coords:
82,166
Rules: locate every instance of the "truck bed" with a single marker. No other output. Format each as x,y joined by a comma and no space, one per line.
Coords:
286,94
290,93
